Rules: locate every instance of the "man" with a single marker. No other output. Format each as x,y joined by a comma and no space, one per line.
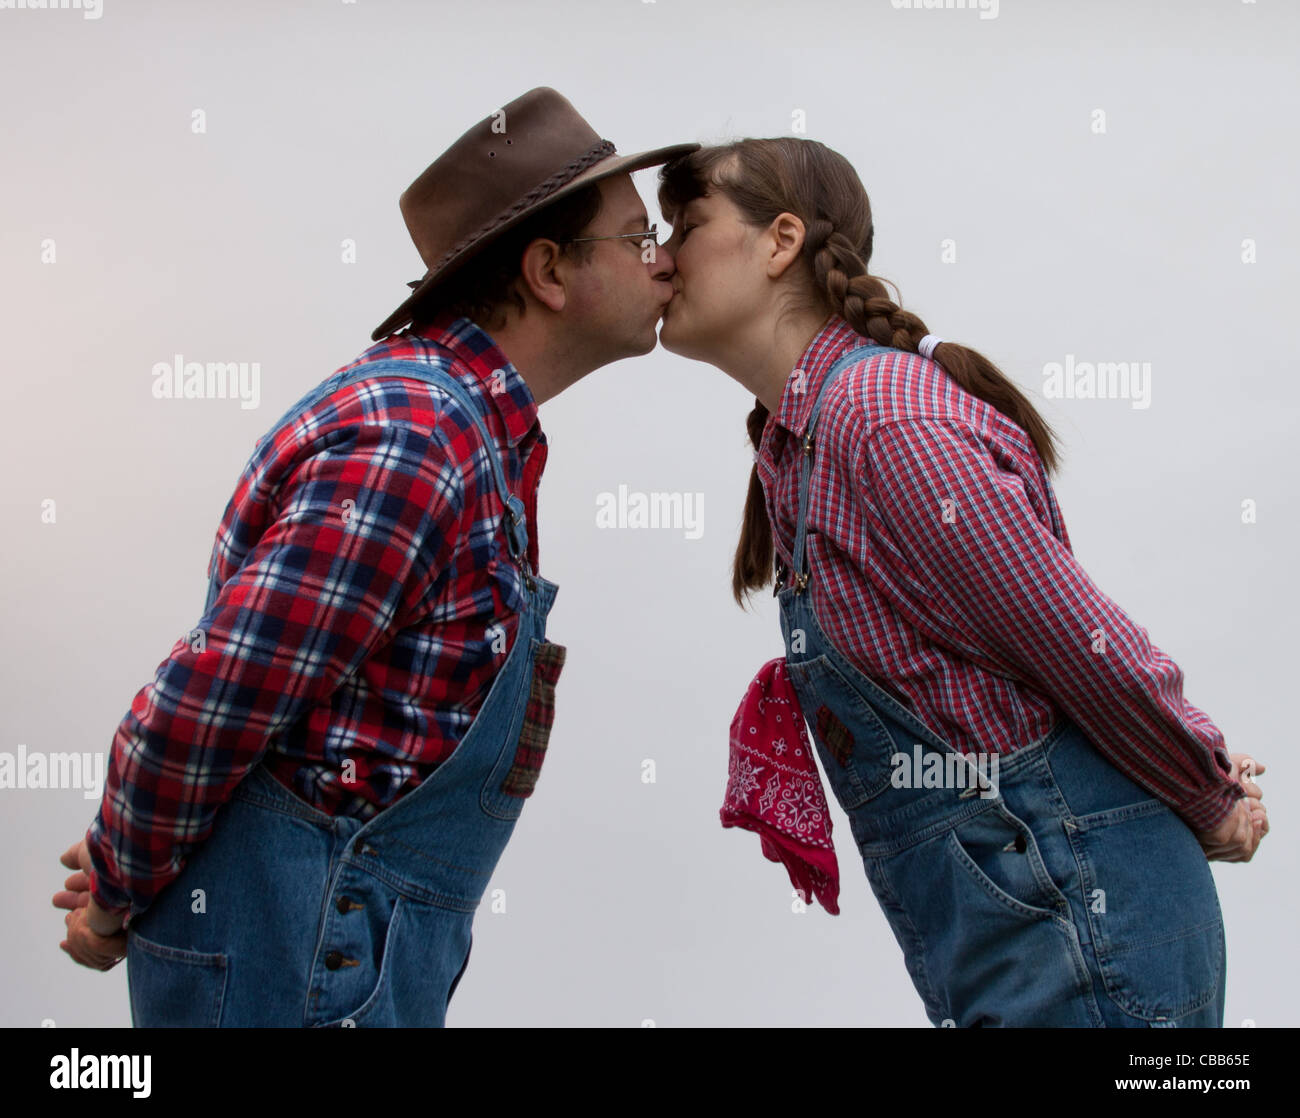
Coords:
303,810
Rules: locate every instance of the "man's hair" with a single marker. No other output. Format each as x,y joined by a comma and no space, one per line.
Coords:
481,288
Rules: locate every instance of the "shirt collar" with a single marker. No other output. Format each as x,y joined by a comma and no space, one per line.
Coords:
473,348
832,341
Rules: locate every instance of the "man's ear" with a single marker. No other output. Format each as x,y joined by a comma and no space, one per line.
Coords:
785,238
540,273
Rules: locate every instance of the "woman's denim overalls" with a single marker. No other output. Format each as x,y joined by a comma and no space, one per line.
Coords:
310,920
1069,898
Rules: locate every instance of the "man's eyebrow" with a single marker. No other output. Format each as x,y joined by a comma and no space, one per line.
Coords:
638,222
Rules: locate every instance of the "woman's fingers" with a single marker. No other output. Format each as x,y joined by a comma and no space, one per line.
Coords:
1244,769
1238,837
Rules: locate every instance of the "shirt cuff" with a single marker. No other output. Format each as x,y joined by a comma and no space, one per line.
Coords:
109,899
1210,808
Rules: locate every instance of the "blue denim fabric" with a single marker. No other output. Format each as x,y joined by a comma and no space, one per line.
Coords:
1070,897
313,920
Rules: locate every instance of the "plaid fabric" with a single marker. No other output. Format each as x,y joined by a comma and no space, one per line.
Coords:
363,579
538,716
942,569
836,736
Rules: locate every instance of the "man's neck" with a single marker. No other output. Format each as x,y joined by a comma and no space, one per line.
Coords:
546,367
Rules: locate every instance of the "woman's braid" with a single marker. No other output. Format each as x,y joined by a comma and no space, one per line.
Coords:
861,299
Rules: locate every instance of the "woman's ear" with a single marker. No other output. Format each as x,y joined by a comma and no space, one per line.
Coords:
785,237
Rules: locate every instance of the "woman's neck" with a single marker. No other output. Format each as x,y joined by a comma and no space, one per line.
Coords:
763,363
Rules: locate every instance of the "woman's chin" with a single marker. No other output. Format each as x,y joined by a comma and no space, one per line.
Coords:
670,337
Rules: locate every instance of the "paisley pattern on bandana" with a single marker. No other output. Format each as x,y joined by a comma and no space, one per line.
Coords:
774,788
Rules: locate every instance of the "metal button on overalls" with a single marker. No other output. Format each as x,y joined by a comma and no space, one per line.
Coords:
318,920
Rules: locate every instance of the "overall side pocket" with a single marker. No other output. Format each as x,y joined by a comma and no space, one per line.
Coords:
425,954
1001,855
986,925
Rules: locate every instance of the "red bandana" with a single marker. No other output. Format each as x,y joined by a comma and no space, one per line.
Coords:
774,788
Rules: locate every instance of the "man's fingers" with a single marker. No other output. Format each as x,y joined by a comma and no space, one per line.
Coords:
71,898
112,946
90,959
90,949
70,857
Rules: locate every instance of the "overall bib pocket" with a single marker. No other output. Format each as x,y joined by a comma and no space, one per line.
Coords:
854,745
174,988
514,777
1152,907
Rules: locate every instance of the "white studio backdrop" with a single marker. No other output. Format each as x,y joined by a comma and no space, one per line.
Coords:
1052,183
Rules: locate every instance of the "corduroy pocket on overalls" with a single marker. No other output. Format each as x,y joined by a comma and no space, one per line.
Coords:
548,661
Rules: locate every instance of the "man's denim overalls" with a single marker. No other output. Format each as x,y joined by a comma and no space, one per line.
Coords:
1070,898
314,920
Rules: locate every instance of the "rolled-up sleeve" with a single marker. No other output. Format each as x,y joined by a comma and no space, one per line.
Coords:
944,506
365,530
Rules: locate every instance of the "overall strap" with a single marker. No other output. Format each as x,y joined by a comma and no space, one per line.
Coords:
516,519
805,462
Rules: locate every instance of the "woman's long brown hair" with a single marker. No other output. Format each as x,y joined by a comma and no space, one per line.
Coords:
767,177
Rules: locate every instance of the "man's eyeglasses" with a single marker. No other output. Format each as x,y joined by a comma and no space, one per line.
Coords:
651,234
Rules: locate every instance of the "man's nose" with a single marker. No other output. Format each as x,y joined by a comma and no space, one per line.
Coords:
663,265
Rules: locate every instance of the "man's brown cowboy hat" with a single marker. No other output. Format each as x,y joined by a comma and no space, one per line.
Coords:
528,154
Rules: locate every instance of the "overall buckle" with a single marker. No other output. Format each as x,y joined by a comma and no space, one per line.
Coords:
800,580
517,533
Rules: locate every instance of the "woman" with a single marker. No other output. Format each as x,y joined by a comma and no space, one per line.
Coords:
931,605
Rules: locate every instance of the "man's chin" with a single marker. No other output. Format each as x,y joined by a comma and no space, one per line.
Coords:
641,344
